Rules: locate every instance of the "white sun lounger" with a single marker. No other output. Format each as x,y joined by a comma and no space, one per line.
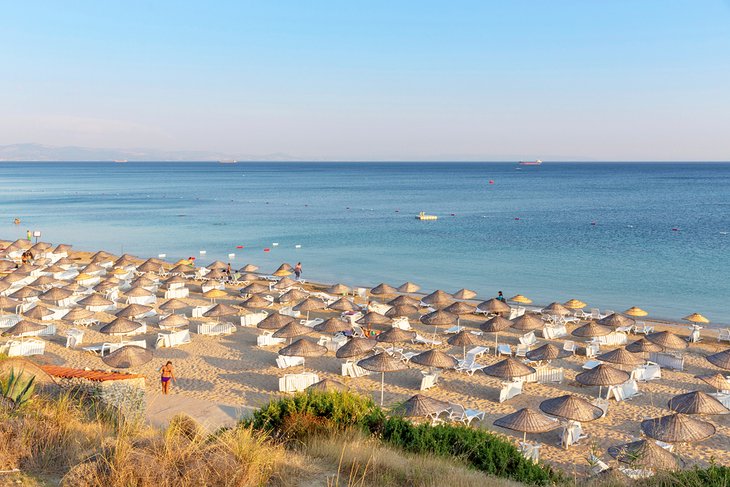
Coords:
74,337
462,415
266,339
173,338
216,328
25,348
284,362
649,371
351,369
510,389
297,382
571,434
425,341
531,451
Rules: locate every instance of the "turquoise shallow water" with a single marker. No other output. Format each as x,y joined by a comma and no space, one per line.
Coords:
599,232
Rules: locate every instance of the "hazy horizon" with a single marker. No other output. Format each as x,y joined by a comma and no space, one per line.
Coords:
321,81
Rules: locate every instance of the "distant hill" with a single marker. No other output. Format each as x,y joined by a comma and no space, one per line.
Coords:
41,152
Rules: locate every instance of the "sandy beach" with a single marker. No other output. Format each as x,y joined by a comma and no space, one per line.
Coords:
220,378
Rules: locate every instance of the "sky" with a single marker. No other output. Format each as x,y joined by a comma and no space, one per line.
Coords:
378,80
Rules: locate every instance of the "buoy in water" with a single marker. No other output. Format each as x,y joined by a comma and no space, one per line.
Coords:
491,181
517,218
203,252
161,256
593,223
675,229
453,214
275,244
297,246
231,256
239,246
267,249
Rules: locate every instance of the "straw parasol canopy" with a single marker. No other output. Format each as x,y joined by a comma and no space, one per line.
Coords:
310,304
22,327
383,288
343,304
274,321
404,300
493,305
254,288
338,289
217,265
420,406
401,310
464,294
556,309
720,359
643,345
291,330
327,385
571,407
373,318
382,362
120,326
173,304
635,312
528,322
575,304
332,326
408,287
677,428
615,320
47,281
303,348
38,312
6,302
25,292
462,339
355,347
439,318
519,298
284,283
438,299
590,330
667,339
395,335
215,294
434,358
696,402
546,353
134,310
460,308
128,356
645,454
78,314
716,380
621,356
256,301
495,325
249,268
293,295
174,321
696,318
95,300
56,294
221,309
602,375
508,368
282,273
526,421
150,266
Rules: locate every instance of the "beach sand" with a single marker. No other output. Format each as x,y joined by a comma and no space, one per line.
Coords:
223,377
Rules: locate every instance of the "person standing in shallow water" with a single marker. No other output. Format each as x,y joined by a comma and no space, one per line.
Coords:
167,374
298,270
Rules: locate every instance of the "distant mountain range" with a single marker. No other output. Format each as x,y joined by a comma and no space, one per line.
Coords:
41,152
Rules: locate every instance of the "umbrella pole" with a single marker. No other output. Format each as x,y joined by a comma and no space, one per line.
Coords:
496,342
382,387
524,437
464,352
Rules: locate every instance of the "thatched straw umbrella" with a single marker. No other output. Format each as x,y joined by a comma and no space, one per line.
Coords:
327,385
438,299
310,304
293,295
291,330
23,328
355,347
303,348
696,402
256,301
677,428
420,406
339,289
214,294
404,300
696,318
408,287
221,309
25,292
572,408
382,362
508,368
38,312
173,305
493,305
574,304
133,311
249,268
174,321
667,340
464,294
495,325
602,375
546,353
556,308
434,359
616,320
372,318
401,310
720,359
460,308
254,288
282,273
395,335
285,283
636,312
332,326
520,299
274,321
438,318
716,380
528,322
643,345
128,356
383,289
527,421
121,326
462,339
217,265
6,302
78,314
343,304
591,330
621,356
56,294
645,454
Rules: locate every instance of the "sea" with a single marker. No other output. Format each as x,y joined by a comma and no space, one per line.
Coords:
615,235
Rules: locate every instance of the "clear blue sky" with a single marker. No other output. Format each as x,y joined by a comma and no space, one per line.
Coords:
603,80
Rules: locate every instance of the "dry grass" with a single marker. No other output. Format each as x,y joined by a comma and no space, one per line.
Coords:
361,462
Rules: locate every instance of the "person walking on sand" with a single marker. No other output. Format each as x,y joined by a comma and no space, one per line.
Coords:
168,374
28,235
298,270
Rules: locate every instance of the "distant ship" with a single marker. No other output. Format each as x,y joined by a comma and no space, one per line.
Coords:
228,161
120,160
530,163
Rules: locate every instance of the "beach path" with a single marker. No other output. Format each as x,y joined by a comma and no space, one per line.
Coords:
211,415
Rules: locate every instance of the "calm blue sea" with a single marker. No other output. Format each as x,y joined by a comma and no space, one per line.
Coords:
603,233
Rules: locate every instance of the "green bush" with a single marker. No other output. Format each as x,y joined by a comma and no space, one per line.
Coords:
712,476
304,414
